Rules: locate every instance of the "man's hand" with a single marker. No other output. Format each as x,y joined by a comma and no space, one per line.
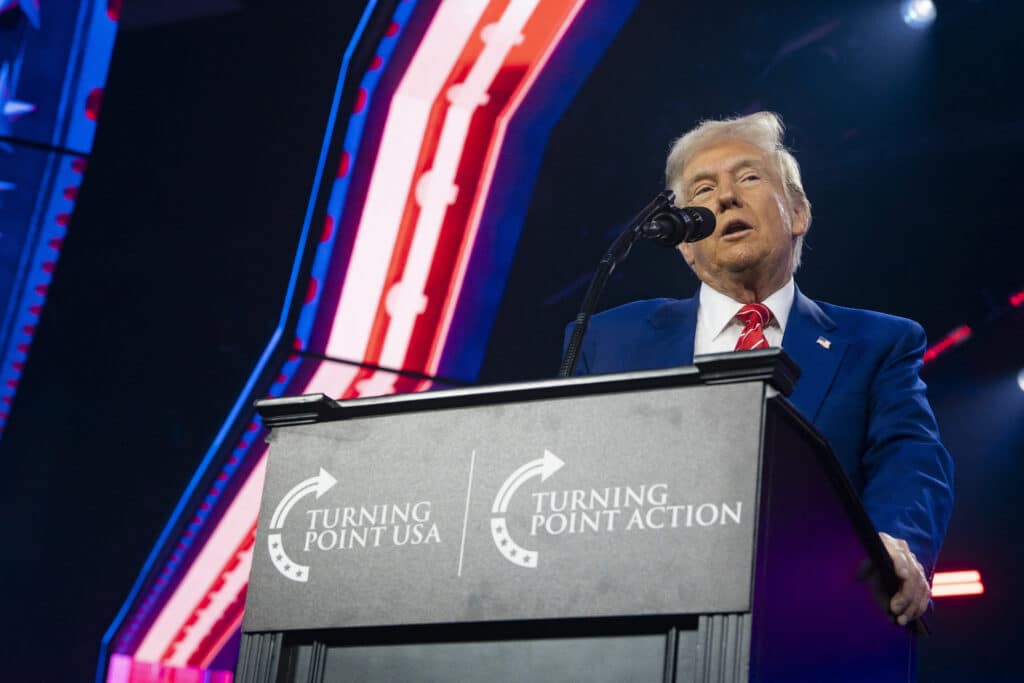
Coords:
911,600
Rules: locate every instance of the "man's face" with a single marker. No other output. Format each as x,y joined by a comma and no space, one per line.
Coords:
755,224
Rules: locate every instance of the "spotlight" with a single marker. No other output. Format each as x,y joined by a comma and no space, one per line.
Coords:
918,13
1020,380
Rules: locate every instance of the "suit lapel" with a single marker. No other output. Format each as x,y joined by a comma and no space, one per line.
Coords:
675,324
818,360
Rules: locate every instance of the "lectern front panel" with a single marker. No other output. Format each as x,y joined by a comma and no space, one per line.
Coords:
632,503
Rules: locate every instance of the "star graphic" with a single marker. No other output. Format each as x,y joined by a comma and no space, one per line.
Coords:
30,8
10,108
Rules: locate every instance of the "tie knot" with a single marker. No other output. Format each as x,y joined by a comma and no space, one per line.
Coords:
755,314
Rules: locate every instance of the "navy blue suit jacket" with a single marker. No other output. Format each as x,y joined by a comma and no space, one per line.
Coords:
863,393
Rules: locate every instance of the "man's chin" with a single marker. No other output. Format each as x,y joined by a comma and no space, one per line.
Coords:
742,262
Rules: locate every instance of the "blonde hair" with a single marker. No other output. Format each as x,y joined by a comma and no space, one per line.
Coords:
764,129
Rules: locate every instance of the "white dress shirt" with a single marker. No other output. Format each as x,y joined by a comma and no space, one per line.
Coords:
718,328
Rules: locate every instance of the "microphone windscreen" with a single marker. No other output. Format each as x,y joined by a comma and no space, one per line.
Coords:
702,225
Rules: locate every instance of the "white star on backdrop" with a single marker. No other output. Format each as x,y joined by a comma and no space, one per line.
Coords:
10,108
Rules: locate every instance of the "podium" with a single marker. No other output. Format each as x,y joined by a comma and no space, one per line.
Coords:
673,525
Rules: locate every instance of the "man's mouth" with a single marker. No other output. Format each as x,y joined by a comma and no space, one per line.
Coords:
736,228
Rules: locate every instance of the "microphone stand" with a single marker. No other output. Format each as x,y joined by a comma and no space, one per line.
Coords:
615,255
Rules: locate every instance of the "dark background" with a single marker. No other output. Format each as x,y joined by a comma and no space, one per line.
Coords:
175,267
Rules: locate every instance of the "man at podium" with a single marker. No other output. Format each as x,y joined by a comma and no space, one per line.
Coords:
859,385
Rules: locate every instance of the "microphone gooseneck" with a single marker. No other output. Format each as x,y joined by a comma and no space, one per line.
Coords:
661,221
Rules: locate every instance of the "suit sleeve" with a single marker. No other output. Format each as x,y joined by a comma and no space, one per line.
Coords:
909,473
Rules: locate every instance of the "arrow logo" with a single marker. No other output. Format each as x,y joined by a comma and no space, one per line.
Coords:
320,484
512,551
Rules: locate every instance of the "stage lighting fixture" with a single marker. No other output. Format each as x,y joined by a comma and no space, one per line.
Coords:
918,13
1020,380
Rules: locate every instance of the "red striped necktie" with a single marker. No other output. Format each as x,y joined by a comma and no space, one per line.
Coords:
755,318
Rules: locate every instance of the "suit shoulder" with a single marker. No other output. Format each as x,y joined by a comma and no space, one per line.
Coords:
633,311
871,322
629,323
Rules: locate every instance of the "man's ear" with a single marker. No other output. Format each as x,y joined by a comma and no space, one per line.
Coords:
800,219
686,249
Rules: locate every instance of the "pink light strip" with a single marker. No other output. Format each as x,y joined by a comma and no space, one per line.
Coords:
390,183
125,669
120,669
212,608
197,583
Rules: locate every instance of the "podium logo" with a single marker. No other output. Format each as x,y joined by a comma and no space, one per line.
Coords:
350,528
616,508
319,485
510,550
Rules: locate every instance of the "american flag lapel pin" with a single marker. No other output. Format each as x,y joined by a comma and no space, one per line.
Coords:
824,343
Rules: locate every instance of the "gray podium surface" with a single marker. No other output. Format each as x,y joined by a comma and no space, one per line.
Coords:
668,525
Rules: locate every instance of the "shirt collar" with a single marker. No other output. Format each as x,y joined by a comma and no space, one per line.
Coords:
717,310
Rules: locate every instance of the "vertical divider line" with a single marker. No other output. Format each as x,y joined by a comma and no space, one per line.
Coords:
465,516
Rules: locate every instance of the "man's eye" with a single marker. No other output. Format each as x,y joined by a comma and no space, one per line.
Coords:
701,189
752,176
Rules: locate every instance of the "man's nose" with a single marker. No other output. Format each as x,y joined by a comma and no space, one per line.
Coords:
727,196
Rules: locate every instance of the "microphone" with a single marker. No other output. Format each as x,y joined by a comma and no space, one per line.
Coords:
660,220
671,225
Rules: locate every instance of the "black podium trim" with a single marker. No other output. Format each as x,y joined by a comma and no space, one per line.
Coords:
771,365
301,655
261,653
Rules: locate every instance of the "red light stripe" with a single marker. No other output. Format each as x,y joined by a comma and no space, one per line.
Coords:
949,584
1017,299
223,638
968,576
954,338
221,632
954,589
